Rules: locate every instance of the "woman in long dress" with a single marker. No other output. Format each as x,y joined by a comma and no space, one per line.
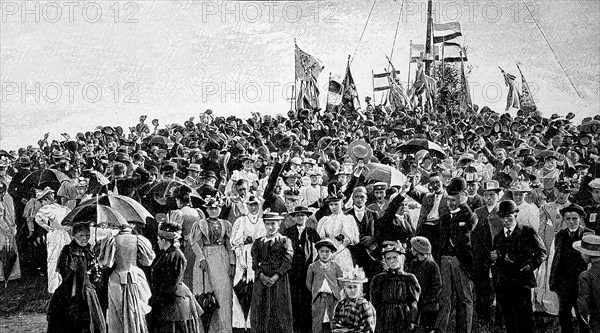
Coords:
128,290
187,217
246,230
215,263
272,254
8,232
50,217
174,308
341,229
74,307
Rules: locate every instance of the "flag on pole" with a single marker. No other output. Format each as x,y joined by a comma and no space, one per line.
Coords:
526,99
452,52
397,98
381,81
335,91
512,100
446,31
417,52
466,101
423,88
308,95
307,65
350,94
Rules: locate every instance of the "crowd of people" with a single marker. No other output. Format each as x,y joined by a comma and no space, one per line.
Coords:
374,221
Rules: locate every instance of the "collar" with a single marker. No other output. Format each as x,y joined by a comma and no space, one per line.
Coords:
356,209
512,230
455,211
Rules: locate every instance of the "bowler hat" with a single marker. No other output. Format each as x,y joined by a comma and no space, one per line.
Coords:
507,207
301,210
457,185
573,208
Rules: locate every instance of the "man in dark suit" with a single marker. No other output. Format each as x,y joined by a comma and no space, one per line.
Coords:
566,267
456,263
303,239
433,205
518,252
488,225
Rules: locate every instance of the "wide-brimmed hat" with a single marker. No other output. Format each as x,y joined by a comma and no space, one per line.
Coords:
563,186
194,167
466,158
213,202
292,194
573,208
300,210
24,161
272,216
491,185
421,244
360,151
507,207
325,243
39,194
209,174
520,187
589,244
392,246
354,275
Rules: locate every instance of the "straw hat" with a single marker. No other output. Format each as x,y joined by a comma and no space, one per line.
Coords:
589,244
354,275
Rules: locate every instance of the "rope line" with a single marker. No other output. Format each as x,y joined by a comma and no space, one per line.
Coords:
552,50
363,32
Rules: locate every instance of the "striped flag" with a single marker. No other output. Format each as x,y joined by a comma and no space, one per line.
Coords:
307,65
308,95
336,90
452,52
445,31
381,81
417,52
466,101
512,100
397,98
526,99
423,88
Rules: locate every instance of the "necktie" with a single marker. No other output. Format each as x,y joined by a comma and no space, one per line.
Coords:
508,233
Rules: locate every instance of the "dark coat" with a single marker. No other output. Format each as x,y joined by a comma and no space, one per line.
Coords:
366,226
455,236
567,263
427,200
170,299
482,237
524,248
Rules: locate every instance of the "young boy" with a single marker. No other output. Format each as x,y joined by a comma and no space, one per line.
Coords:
322,279
428,274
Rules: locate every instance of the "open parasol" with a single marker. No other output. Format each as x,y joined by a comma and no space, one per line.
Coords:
130,209
415,145
384,173
8,257
97,214
164,189
45,177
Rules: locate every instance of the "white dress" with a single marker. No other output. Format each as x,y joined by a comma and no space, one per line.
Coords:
244,227
335,225
50,218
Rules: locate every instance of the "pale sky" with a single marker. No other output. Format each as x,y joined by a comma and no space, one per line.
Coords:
106,63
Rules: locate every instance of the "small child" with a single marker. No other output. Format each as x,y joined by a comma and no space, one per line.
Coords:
395,293
354,313
428,274
322,279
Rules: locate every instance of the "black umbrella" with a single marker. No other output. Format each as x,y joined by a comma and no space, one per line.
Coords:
208,303
8,257
243,291
414,145
45,177
164,188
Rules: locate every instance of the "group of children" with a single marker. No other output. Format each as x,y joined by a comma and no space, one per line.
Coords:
394,302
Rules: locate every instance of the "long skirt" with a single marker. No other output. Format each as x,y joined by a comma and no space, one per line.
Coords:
239,320
7,238
217,280
128,295
55,240
272,307
544,299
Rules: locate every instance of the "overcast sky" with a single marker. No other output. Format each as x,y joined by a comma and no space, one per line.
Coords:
70,66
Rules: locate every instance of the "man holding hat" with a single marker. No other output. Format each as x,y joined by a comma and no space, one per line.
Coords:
456,258
588,299
593,210
488,225
567,264
517,252
303,240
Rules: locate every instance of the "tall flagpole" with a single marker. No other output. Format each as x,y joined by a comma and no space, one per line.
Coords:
295,75
328,85
428,39
344,83
409,62
373,84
